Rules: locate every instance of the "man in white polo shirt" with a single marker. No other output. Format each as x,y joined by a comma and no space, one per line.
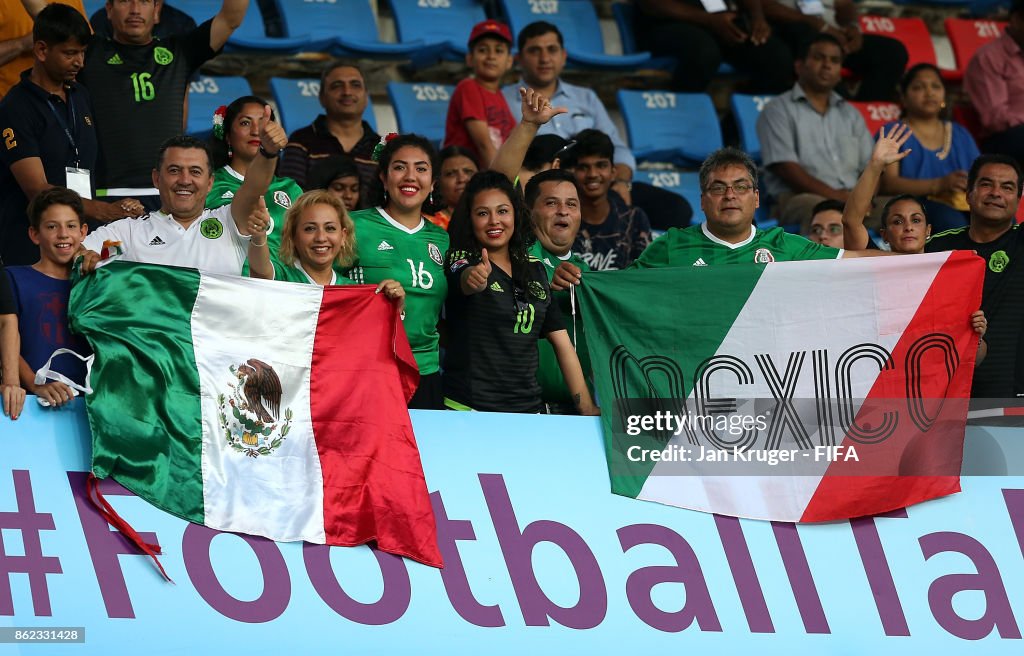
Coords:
184,233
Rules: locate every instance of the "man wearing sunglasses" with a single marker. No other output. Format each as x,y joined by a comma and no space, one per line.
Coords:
729,196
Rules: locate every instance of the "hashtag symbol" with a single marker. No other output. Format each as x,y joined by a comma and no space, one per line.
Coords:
33,562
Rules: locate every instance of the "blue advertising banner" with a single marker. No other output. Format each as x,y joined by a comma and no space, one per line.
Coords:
539,557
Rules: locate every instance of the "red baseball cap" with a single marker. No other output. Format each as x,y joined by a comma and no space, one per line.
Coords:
492,28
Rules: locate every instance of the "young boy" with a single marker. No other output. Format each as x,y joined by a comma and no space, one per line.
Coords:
41,293
613,234
479,119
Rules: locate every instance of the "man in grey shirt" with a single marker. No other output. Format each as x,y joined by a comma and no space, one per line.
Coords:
813,143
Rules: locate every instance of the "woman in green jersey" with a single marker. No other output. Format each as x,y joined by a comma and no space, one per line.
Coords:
317,238
394,240
235,144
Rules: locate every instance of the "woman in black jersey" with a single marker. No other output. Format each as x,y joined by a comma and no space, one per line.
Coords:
498,306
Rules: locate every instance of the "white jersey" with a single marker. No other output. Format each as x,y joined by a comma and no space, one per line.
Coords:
211,243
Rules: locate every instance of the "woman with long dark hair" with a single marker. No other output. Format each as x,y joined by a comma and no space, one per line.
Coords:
395,241
499,305
235,144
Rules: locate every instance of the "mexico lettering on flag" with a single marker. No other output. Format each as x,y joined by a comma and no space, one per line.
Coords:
268,408
791,391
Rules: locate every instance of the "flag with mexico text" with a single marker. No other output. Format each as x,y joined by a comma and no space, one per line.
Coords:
260,407
790,391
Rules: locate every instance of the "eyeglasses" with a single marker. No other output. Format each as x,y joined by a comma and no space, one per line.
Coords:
833,229
719,188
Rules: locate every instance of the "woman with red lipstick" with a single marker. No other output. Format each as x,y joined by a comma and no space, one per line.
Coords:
940,151
499,305
235,144
395,241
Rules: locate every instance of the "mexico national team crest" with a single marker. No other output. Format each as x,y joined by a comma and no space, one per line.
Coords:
435,253
162,56
997,261
211,228
763,256
250,415
537,290
282,199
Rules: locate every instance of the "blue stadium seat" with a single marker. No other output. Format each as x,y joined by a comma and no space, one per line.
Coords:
92,6
679,128
208,93
746,109
625,15
421,108
438,22
251,34
684,183
578,23
298,101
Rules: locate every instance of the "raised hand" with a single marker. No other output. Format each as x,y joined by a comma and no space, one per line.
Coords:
537,108
475,278
272,135
887,148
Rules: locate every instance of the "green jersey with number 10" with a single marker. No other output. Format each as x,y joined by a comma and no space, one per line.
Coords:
414,257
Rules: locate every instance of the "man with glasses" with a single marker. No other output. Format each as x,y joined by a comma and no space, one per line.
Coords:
729,196
827,224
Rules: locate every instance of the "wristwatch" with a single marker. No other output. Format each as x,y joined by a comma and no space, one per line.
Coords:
263,151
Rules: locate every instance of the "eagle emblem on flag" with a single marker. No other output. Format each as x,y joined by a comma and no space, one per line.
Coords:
251,414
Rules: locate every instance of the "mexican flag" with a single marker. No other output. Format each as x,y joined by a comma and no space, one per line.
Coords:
259,407
789,391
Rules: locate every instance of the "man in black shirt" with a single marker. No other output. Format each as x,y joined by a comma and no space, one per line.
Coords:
48,133
138,85
993,193
12,395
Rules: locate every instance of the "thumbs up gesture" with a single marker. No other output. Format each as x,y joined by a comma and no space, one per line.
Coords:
272,135
474,280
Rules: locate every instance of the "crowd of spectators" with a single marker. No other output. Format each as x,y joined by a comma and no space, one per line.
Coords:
533,187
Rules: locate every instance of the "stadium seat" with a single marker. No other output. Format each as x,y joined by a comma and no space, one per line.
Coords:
298,102
444,23
251,34
746,109
684,183
966,35
421,108
625,15
911,32
680,128
92,6
877,114
208,93
578,23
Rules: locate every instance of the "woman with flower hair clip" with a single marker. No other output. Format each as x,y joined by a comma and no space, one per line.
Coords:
235,144
395,240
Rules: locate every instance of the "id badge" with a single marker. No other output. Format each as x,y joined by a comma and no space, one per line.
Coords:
714,6
78,181
810,7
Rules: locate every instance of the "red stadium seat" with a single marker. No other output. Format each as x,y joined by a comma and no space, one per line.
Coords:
911,32
966,35
877,114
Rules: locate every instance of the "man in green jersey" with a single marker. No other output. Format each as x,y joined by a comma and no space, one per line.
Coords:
729,196
554,202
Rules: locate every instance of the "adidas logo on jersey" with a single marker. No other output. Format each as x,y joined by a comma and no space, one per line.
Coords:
385,246
115,60
495,287
156,241
700,262
228,194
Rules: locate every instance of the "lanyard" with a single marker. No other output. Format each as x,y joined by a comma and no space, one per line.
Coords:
64,124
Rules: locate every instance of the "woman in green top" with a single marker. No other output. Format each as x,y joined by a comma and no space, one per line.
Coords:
235,144
394,240
317,237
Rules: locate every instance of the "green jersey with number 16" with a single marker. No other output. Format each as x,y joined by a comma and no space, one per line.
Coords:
414,257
